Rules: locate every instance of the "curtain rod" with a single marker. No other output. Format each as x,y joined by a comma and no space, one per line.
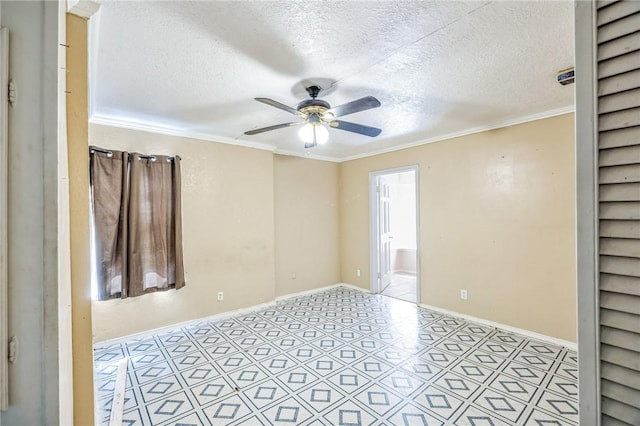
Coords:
153,157
109,153
93,149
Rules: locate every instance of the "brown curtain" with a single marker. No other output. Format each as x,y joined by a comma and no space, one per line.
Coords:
155,252
109,195
138,239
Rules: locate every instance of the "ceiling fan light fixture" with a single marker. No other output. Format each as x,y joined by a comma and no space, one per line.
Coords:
322,134
313,132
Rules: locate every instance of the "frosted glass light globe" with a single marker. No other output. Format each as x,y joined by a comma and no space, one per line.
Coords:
309,130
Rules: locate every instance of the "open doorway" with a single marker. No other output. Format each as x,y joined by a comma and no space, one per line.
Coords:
394,233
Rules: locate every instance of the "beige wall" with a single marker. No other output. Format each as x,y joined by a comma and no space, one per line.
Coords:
228,233
306,224
497,217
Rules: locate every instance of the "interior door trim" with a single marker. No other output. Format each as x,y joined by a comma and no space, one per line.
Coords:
374,215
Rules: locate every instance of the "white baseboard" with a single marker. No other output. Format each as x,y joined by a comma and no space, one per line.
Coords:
219,316
255,308
312,291
187,323
355,287
553,340
543,337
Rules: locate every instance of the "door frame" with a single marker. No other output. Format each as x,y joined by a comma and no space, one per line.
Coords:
4,209
374,216
587,258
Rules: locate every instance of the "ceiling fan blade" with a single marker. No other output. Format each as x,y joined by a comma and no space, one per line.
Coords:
274,127
278,105
362,104
355,128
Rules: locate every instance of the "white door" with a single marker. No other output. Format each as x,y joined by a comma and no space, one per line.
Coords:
384,250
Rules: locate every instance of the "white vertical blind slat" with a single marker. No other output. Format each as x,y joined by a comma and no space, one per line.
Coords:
619,46
617,11
619,82
619,28
619,101
620,284
619,192
622,375
618,65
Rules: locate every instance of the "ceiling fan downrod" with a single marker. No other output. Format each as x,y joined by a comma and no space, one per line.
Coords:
314,91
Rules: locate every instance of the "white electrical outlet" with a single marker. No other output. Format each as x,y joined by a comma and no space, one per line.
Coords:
463,294
220,296
293,276
357,272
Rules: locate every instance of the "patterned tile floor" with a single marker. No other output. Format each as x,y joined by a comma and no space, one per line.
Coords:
402,286
339,357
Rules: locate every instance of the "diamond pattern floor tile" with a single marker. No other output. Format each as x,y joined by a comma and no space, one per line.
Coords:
458,385
472,416
410,415
227,411
350,414
439,402
287,412
339,357
378,399
500,404
169,407
558,405
212,390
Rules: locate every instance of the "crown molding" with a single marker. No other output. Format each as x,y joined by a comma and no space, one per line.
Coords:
125,123
172,131
471,131
145,126
308,155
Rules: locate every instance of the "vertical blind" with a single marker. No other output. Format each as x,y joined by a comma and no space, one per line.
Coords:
618,71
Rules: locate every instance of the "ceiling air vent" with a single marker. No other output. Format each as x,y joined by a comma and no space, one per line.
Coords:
567,76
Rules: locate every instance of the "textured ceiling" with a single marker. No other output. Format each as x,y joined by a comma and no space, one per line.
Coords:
438,68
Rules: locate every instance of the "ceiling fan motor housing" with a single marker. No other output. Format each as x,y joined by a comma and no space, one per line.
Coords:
310,106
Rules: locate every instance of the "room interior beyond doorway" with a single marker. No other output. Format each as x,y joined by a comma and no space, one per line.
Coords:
397,239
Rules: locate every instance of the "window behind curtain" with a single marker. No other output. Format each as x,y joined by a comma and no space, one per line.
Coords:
137,223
